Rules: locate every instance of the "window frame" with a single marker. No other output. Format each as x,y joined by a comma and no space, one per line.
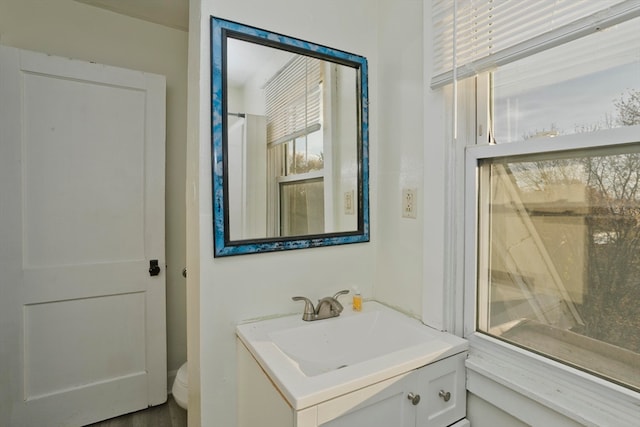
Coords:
497,369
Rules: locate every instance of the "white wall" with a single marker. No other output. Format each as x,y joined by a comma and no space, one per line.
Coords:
229,290
400,254
70,29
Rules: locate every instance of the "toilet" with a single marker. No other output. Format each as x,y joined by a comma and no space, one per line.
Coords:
179,389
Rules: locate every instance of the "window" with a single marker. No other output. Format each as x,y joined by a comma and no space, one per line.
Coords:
302,186
561,257
296,148
558,206
584,86
302,204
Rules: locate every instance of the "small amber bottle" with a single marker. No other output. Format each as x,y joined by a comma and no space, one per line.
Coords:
357,300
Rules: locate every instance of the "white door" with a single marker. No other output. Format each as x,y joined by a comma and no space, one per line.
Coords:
82,321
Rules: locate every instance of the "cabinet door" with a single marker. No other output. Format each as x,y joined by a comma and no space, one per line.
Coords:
381,405
442,392
432,396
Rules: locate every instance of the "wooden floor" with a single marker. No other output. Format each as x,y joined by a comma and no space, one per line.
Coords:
168,414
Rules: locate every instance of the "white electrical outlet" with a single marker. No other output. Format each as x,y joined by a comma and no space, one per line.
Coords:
409,203
349,208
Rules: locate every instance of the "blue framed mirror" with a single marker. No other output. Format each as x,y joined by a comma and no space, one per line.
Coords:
290,159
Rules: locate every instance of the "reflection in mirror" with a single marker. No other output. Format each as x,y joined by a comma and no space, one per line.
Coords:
289,142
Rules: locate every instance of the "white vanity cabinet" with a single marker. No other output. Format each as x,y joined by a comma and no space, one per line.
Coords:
430,396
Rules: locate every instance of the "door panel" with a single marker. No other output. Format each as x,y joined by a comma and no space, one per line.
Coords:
52,331
76,155
82,161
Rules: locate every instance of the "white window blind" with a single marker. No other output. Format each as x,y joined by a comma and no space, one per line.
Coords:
293,100
478,35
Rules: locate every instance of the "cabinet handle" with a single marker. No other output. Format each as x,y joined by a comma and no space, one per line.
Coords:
445,395
414,398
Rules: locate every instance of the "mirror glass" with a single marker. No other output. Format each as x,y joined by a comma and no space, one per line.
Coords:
289,140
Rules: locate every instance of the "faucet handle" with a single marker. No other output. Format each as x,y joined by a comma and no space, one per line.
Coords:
309,310
339,306
343,292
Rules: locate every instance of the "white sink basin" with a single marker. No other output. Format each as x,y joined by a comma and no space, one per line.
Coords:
311,362
323,346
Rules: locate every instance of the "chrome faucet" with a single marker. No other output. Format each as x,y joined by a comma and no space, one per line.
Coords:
327,307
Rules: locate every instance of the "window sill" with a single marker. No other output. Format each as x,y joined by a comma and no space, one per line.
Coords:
536,389
606,360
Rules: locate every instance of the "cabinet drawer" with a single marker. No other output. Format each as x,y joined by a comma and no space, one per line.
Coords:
379,405
443,393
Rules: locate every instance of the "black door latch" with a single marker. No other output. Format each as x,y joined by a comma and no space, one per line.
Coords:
154,268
